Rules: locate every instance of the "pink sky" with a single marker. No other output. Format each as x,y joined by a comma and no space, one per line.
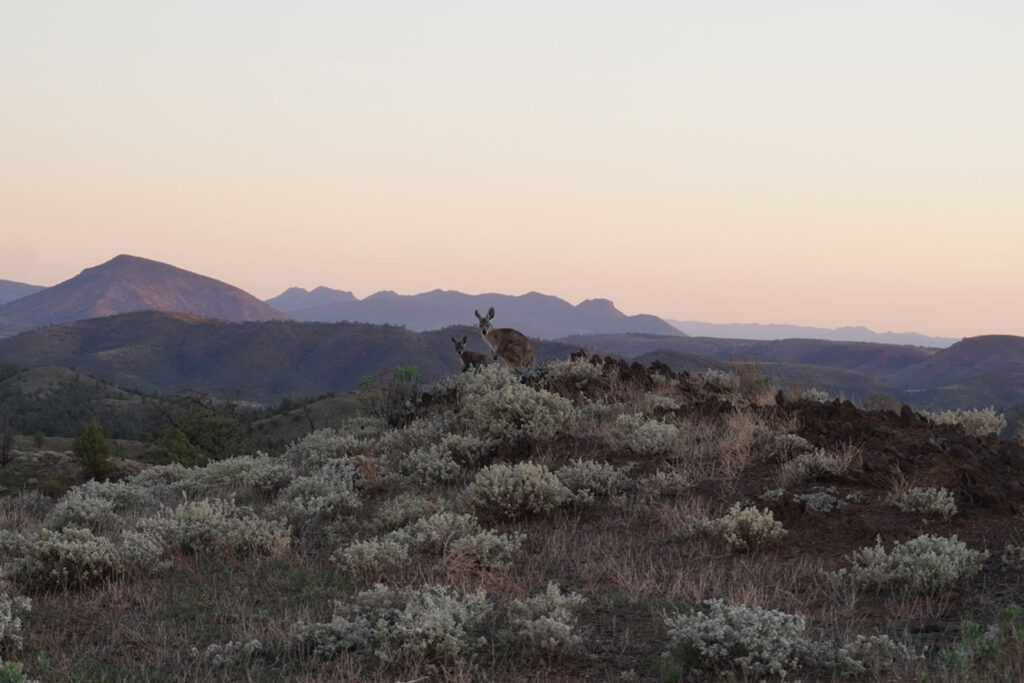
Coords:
790,162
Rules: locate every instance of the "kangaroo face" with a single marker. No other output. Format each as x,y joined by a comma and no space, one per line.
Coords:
485,321
460,346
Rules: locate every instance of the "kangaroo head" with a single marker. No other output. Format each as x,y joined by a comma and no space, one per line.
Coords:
485,322
460,346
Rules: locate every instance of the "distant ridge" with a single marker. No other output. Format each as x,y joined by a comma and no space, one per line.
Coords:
12,291
129,283
768,332
535,315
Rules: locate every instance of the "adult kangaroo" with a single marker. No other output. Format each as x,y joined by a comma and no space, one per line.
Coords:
510,345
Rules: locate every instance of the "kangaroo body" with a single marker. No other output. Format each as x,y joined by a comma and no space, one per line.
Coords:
470,359
509,345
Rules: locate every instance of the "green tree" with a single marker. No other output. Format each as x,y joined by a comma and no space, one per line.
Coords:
93,451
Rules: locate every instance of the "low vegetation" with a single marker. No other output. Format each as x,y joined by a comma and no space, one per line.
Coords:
575,521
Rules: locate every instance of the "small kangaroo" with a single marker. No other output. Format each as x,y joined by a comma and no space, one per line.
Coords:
510,345
470,359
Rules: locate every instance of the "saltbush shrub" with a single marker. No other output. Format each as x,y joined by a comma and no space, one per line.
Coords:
644,436
547,622
513,491
485,549
216,524
12,607
938,502
589,479
745,528
372,559
65,559
424,628
516,410
403,509
921,565
976,421
723,641
327,492
100,505
805,466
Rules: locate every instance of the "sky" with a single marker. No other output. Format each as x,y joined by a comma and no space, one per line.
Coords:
802,162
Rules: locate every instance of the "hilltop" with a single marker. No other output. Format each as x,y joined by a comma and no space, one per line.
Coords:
129,283
11,291
570,523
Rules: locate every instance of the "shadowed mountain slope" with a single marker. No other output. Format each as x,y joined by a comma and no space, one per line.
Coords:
255,361
535,315
129,283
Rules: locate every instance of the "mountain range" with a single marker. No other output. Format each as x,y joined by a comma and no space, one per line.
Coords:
535,315
769,332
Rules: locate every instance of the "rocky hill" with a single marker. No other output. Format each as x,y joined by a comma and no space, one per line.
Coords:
129,283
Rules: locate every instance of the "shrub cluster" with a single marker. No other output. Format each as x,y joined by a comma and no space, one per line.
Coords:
215,524
921,565
516,410
547,621
721,639
809,465
65,559
427,627
12,607
745,528
927,501
513,491
645,436
976,421
588,479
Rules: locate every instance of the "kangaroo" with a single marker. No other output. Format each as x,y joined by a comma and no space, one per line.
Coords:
508,344
470,359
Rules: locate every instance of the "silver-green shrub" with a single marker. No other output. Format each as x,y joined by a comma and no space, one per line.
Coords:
745,528
99,505
868,654
516,410
809,465
724,641
426,466
372,559
579,372
928,501
435,532
65,559
976,421
728,381
664,483
786,446
547,621
644,436
513,491
216,524
424,628
12,607
815,395
921,565
486,549
403,509
589,479
327,492
321,446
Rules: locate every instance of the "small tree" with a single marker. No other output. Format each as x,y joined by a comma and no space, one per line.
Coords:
93,452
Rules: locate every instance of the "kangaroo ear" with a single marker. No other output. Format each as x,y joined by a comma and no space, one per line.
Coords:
477,314
490,312
453,341
463,339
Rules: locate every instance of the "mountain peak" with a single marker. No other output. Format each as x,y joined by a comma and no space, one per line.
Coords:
130,283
